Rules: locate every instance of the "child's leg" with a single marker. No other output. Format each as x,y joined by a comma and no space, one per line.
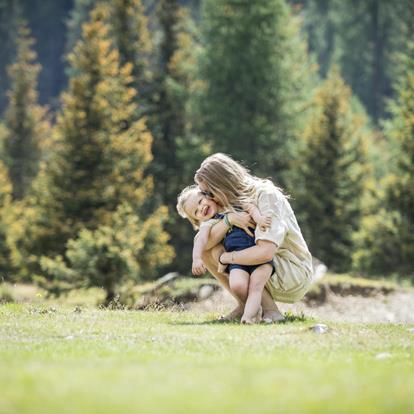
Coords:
258,279
210,261
250,256
239,283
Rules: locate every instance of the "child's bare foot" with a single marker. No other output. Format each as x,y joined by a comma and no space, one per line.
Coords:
233,315
222,265
272,316
247,321
222,268
252,320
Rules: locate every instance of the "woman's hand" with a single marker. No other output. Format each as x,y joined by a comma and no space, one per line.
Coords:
242,220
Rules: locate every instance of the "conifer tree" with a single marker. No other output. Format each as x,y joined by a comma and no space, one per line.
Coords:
178,151
362,38
256,75
26,124
100,152
5,205
386,240
77,17
129,27
10,15
333,171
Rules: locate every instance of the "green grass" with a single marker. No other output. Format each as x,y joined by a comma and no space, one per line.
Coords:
99,361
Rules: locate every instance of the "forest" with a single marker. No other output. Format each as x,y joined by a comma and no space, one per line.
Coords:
107,109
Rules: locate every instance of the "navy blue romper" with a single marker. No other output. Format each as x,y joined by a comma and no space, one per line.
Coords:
237,239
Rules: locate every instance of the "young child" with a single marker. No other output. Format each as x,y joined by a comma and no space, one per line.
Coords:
204,213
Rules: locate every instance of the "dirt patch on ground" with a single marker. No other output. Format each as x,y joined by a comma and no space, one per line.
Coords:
395,307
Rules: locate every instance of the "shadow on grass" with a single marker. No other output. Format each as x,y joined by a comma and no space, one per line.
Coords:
289,318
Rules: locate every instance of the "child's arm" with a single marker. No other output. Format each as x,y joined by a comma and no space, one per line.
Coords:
200,242
264,222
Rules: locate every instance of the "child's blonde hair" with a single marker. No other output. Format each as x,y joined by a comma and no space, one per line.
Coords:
182,200
230,182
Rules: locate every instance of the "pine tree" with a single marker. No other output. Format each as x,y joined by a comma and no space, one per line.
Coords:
178,151
5,205
333,171
362,38
100,151
10,15
386,240
256,76
129,27
26,124
77,17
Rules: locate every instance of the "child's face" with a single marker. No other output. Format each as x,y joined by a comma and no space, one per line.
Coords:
200,208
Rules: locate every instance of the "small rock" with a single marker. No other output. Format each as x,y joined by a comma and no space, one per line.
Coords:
205,292
70,337
77,309
410,330
383,355
320,328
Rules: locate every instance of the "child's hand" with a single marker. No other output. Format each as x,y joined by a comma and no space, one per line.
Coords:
198,267
264,223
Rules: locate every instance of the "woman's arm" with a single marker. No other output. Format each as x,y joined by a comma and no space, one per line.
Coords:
263,252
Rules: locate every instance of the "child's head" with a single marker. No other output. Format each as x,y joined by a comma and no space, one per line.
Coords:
194,206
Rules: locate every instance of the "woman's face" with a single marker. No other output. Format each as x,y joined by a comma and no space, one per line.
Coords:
205,190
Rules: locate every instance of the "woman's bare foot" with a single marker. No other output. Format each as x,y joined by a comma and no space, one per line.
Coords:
233,315
272,316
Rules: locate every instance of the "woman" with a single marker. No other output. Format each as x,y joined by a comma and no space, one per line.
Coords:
232,186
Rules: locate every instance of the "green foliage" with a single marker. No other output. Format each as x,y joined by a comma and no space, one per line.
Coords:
256,76
5,205
129,28
26,124
129,249
362,38
177,149
386,241
78,15
10,14
100,152
333,170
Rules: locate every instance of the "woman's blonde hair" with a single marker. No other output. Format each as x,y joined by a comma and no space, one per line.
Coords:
182,200
230,182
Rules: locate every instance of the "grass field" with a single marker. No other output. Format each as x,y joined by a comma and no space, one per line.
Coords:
100,361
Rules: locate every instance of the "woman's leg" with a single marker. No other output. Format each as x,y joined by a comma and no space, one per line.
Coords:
271,312
258,279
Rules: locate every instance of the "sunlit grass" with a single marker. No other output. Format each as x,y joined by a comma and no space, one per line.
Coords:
98,361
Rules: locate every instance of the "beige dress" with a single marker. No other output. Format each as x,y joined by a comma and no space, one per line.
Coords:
293,261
